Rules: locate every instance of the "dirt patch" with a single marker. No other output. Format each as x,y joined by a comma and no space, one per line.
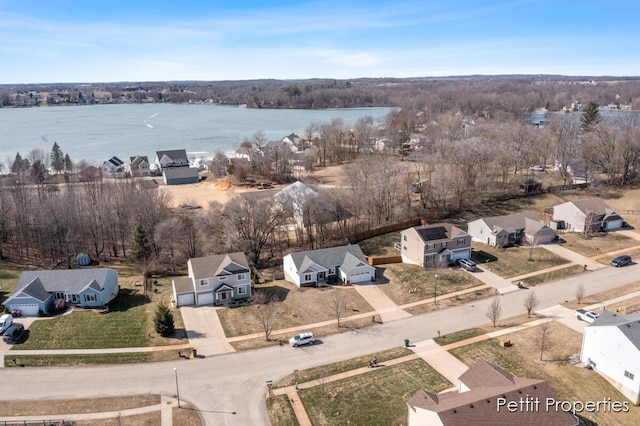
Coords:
596,245
451,301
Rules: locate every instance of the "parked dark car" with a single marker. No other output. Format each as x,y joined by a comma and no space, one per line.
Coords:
621,261
13,333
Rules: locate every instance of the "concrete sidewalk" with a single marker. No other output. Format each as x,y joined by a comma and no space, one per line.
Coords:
488,277
440,359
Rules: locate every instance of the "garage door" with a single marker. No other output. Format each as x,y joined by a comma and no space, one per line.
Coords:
205,299
465,254
186,299
614,224
27,310
360,277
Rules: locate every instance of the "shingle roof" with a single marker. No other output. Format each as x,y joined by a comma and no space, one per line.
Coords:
36,290
629,325
439,232
512,222
595,205
479,406
329,257
176,156
219,265
68,280
183,285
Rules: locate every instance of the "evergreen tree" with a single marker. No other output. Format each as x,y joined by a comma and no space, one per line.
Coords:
163,321
17,166
590,117
68,164
140,247
57,158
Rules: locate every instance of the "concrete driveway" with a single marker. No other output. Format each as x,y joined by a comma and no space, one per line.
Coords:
5,347
204,330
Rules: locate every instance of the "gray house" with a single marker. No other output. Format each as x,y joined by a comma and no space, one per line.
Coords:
180,175
36,291
345,263
592,214
172,158
221,279
433,245
510,229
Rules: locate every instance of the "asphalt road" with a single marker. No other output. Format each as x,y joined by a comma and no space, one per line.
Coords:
236,383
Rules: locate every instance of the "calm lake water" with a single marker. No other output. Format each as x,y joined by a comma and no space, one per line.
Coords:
98,132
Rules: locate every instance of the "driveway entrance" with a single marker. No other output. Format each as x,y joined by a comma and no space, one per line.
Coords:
204,330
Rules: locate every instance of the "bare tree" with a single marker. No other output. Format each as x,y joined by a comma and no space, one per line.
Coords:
494,310
543,337
530,245
337,302
580,293
531,302
265,311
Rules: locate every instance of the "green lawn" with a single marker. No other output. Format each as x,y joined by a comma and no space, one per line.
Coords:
129,323
375,398
554,275
71,360
381,245
596,245
339,367
411,283
8,279
514,261
459,336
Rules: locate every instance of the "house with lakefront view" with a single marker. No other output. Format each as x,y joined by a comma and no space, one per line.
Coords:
221,279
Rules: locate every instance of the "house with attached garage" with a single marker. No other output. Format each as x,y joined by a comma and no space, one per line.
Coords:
434,245
222,279
487,395
37,291
171,158
500,231
113,168
592,215
611,347
345,263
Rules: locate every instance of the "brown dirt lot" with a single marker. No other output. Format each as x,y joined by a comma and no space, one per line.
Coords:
298,306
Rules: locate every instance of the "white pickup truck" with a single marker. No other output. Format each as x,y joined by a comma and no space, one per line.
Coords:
588,316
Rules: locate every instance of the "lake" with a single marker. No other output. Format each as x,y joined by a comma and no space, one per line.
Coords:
97,132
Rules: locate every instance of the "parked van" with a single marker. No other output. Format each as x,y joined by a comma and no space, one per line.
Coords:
621,261
5,322
467,264
13,333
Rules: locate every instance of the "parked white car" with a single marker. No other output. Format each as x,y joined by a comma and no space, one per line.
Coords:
302,339
5,322
588,316
537,168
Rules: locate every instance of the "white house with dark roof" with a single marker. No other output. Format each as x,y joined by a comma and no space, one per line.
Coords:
592,214
113,168
481,399
139,166
510,229
611,346
36,291
434,245
214,280
345,263
171,158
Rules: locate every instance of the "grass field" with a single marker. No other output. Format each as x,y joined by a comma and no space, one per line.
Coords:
514,261
375,398
381,245
596,245
70,360
554,275
280,411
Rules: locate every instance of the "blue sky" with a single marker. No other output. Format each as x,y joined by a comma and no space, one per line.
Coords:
45,41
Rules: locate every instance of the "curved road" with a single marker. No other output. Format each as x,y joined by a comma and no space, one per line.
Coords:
235,383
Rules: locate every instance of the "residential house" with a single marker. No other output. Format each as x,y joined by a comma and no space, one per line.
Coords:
482,397
214,280
345,263
139,166
592,214
180,175
113,168
510,229
173,158
611,346
294,197
434,245
88,174
36,291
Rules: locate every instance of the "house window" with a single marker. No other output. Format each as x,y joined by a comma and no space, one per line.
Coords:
628,375
242,290
222,278
89,297
204,282
332,271
404,248
430,246
428,258
460,242
404,237
307,277
240,277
